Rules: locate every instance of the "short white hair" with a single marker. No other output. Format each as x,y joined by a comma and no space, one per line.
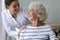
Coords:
40,9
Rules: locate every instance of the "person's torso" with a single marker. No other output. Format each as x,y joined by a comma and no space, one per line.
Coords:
14,22
35,33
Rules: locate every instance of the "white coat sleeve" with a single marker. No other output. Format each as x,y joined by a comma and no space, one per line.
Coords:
9,30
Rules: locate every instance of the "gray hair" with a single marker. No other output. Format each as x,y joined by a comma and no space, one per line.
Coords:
40,10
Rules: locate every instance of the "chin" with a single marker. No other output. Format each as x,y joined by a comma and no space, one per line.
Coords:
15,12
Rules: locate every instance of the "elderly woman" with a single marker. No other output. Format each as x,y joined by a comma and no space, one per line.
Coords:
37,30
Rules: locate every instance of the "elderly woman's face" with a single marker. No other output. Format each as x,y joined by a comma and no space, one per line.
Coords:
14,7
32,14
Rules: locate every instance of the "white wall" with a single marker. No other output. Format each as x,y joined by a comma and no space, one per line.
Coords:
0,12
53,7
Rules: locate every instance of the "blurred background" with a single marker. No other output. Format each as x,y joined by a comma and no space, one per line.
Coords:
53,8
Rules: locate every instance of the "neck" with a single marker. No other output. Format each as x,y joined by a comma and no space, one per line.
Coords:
36,23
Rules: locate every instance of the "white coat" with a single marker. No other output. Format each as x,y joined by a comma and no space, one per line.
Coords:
10,24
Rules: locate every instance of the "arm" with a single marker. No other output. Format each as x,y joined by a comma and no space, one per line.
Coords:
52,35
22,28
9,30
7,26
25,15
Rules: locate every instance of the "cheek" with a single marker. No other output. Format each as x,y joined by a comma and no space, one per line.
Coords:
34,16
14,11
11,9
30,15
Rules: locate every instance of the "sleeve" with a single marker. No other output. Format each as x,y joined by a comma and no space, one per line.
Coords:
25,15
7,27
52,35
26,21
9,31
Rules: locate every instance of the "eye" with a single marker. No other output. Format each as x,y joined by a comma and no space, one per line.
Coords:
14,6
18,5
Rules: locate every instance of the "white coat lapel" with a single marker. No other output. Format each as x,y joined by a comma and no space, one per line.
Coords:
11,20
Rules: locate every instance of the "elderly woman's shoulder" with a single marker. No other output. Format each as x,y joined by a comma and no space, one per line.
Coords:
47,25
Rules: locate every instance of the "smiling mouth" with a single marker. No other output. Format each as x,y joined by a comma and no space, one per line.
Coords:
16,11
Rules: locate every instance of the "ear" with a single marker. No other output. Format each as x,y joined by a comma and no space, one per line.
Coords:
7,7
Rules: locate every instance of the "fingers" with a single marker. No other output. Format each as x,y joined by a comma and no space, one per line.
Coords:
18,35
23,27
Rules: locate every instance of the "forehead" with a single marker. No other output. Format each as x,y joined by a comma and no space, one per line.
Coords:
14,2
32,8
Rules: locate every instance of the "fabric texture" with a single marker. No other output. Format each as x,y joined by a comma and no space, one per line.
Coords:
38,33
10,24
